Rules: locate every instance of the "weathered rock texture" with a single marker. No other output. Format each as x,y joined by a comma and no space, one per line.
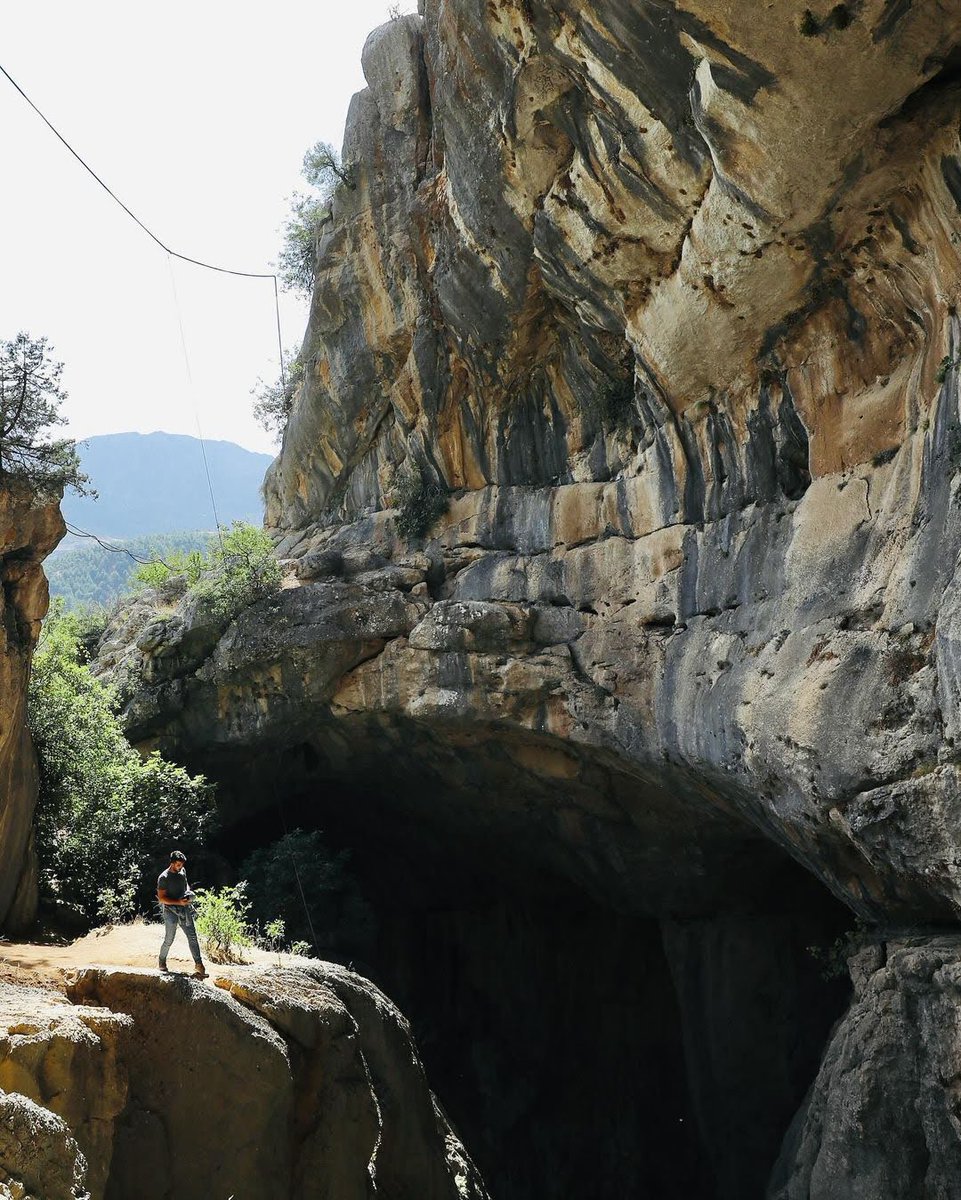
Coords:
286,1083
665,295
882,1116
29,530
67,1062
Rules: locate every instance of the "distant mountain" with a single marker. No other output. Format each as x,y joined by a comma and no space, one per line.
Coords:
156,483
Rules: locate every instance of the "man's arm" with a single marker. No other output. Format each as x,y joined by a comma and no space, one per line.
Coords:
165,899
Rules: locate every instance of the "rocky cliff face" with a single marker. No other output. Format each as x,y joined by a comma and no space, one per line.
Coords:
281,1082
29,530
664,295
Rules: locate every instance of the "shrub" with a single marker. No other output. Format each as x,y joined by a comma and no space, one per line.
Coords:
420,504
238,570
615,403
241,571
104,814
809,26
221,919
190,564
944,366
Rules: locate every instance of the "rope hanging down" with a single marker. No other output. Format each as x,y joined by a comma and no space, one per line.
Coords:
170,254
193,401
149,232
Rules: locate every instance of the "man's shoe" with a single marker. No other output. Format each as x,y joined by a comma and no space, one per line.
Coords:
164,969
200,971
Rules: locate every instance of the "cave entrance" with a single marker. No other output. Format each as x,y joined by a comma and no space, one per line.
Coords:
608,971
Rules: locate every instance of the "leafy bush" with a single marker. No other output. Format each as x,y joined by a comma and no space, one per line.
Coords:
944,366
221,919
299,871
240,572
420,504
615,403
104,814
190,564
237,570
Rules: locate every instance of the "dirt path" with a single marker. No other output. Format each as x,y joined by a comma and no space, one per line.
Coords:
134,945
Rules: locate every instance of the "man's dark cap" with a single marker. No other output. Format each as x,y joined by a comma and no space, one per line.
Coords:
176,856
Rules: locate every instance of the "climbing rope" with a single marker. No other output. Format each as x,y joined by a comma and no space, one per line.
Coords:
143,562
193,401
171,254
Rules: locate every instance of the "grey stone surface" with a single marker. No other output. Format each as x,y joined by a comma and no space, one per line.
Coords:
881,1119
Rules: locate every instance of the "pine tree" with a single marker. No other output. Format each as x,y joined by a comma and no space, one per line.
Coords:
30,399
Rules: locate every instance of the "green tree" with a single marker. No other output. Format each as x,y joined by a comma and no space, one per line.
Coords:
241,570
311,889
297,261
104,814
30,399
273,401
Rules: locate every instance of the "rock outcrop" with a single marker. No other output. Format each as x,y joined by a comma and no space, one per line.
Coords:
664,298
281,1082
889,1080
29,530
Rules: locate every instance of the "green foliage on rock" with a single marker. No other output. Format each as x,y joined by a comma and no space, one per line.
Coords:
30,399
420,503
615,403
238,570
273,401
105,816
310,890
323,170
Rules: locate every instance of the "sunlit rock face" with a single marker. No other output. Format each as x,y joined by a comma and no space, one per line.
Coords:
664,295
29,530
295,1083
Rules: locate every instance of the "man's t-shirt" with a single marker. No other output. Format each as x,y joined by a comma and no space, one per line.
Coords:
173,884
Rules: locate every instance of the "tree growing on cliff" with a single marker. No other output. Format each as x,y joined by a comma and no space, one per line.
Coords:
30,399
273,401
324,171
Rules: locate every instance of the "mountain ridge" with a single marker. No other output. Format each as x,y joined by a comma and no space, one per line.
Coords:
158,483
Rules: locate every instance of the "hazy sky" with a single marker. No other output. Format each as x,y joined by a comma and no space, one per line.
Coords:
197,115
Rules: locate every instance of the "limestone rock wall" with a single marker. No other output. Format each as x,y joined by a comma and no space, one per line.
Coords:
281,1082
29,530
664,295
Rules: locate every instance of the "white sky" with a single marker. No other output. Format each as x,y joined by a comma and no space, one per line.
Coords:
197,115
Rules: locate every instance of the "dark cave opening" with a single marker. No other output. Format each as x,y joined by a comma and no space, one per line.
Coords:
582,1044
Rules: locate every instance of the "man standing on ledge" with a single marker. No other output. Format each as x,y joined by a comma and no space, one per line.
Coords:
175,897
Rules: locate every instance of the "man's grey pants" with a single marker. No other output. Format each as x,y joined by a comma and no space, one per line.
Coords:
179,915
